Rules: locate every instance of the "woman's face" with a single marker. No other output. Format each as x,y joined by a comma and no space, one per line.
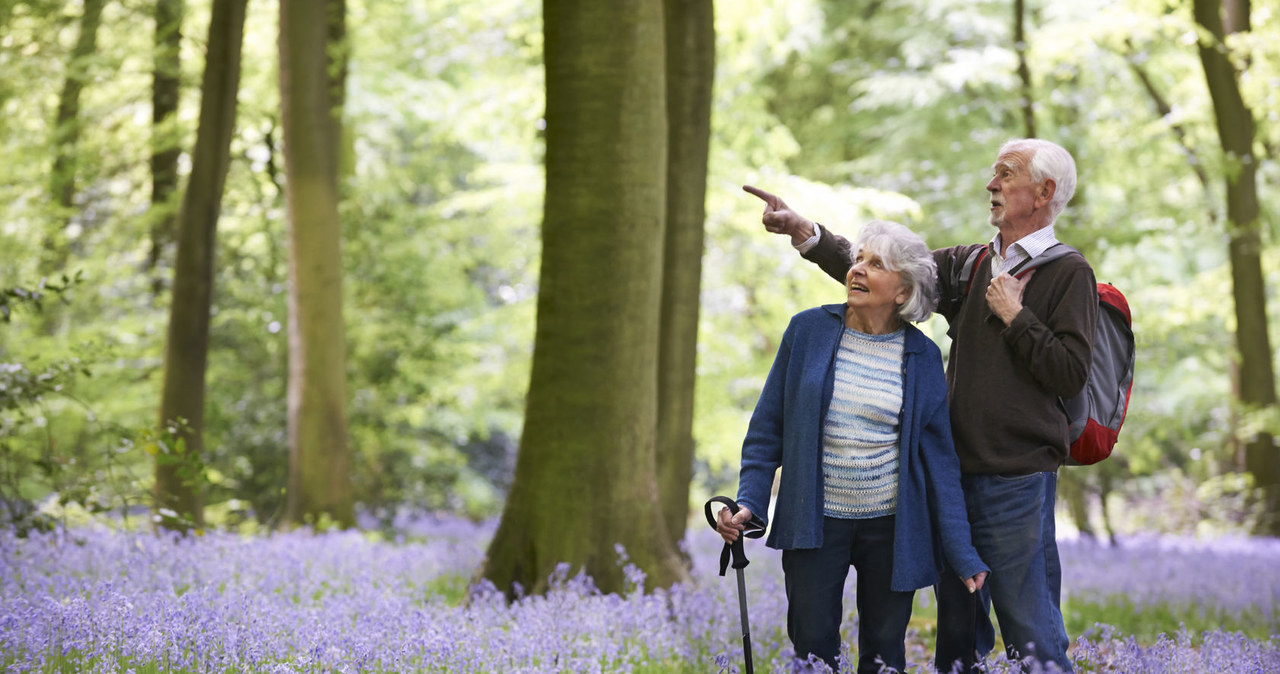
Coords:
873,290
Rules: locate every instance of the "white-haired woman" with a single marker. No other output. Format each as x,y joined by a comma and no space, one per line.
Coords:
854,412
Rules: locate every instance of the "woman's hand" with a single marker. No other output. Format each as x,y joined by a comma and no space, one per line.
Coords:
730,526
974,584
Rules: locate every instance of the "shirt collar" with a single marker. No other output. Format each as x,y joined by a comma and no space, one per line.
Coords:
1033,244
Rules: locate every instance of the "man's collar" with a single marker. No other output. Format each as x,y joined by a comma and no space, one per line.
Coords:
1033,244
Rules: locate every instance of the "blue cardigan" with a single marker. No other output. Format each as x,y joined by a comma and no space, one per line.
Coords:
786,431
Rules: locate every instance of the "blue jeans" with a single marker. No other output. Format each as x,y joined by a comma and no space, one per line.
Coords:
815,590
1013,530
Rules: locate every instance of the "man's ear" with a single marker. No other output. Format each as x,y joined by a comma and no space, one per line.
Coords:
1044,194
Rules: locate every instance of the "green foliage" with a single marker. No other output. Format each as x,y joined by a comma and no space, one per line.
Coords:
849,111
39,479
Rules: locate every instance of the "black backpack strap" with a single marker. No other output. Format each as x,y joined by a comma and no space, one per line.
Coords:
1057,250
754,529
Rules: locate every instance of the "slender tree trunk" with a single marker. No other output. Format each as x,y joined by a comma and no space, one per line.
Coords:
1236,133
165,148
319,457
1024,71
177,489
585,476
66,137
691,57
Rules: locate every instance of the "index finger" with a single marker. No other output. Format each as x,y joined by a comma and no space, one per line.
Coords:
768,198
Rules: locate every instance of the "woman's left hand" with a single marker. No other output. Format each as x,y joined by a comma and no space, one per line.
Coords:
975,583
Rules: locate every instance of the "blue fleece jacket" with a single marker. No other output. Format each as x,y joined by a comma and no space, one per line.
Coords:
786,431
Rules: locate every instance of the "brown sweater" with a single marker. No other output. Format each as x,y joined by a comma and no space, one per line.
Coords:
1005,382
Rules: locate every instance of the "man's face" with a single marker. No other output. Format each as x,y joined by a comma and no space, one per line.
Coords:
1013,193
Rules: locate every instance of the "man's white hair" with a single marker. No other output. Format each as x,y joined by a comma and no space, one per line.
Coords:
1048,160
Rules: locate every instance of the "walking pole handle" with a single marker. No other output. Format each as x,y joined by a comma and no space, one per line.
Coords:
754,529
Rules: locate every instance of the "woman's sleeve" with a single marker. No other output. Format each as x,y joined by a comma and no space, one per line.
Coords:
762,447
946,496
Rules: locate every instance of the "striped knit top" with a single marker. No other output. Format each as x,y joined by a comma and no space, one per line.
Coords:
860,434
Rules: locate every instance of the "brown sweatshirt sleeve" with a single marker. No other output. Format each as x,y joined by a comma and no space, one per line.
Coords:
833,253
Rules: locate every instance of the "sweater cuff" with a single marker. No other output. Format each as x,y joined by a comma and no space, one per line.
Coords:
970,568
1021,323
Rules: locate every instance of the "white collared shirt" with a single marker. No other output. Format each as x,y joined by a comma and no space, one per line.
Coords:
1026,248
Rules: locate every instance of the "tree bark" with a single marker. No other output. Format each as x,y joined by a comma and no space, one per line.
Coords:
177,488
66,138
1236,132
1024,71
585,477
319,457
691,60
165,90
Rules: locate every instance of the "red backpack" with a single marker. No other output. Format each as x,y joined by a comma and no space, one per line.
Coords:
1094,415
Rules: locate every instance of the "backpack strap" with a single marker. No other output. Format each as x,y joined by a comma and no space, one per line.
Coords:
969,269
1054,252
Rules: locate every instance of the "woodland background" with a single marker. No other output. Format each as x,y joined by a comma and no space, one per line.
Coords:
367,311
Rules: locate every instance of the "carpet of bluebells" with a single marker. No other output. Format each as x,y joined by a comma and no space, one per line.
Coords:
93,599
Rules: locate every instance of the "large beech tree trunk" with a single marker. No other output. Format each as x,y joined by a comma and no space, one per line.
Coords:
177,488
311,97
585,477
691,61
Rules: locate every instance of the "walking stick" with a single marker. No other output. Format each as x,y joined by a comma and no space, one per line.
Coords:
754,529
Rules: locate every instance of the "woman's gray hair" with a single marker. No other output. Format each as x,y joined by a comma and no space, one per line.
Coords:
1048,160
902,250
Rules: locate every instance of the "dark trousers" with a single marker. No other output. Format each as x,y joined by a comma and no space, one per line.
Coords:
815,588
1012,522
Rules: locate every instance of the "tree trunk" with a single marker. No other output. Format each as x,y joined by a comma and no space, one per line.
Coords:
66,136
690,40
319,458
585,477
165,90
1236,133
177,488
1024,71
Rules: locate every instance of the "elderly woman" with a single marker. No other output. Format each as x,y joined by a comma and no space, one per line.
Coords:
854,411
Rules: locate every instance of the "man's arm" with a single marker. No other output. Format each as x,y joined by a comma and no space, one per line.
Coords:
831,252
1058,349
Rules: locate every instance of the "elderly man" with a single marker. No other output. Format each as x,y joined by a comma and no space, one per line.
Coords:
1018,345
